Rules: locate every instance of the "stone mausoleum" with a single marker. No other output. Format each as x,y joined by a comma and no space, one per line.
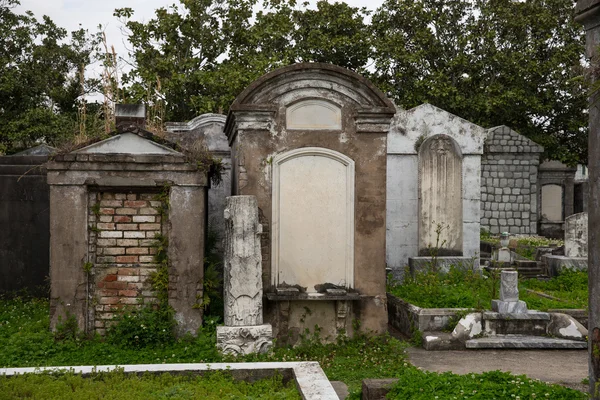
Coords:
309,141
111,203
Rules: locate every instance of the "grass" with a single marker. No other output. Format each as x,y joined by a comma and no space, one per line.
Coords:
461,288
26,341
525,246
117,385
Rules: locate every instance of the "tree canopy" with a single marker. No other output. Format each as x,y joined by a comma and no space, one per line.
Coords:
40,83
502,62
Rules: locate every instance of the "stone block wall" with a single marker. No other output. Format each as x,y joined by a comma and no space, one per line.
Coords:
123,230
509,179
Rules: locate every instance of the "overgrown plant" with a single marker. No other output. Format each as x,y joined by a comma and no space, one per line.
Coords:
152,323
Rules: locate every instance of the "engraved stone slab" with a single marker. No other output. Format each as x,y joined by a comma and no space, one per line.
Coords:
509,286
440,195
244,339
576,235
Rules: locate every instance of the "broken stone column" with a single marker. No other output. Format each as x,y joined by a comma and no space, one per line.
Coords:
244,331
509,294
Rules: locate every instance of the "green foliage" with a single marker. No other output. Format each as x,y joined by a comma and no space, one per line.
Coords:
164,199
67,328
465,288
149,324
420,385
27,342
214,385
87,267
140,327
515,63
40,86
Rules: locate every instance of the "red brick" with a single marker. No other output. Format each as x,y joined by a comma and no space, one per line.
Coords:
126,278
126,211
100,285
149,227
127,259
107,226
116,285
144,218
128,242
106,242
110,278
148,211
129,300
127,227
114,251
107,196
122,218
129,271
152,250
136,204
128,293
108,292
108,300
132,196
111,203
133,285
107,211
106,218
137,250
134,234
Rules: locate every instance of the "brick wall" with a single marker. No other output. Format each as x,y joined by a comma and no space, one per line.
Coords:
509,173
122,238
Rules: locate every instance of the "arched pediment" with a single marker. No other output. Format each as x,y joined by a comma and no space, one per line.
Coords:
292,83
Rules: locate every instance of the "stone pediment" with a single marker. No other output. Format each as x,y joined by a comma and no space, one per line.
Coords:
127,143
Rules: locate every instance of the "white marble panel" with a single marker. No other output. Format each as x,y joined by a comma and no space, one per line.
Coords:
313,218
314,114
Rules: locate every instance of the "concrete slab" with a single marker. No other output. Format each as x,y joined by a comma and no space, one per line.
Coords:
565,367
311,381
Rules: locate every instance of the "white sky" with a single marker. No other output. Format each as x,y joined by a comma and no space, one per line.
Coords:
69,14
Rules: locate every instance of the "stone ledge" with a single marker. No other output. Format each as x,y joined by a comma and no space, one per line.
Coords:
314,297
310,379
524,342
530,315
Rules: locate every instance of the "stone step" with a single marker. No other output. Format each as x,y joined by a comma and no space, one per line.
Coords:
523,342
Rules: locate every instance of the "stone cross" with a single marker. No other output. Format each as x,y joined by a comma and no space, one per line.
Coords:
509,302
244,331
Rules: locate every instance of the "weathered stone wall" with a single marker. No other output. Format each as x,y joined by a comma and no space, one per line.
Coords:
509,179
207,130
72,177
122,245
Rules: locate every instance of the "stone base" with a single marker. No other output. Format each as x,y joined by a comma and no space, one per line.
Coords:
245,339
555,264
506,307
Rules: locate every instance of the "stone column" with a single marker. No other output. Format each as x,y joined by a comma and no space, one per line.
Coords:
588,13
244,331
